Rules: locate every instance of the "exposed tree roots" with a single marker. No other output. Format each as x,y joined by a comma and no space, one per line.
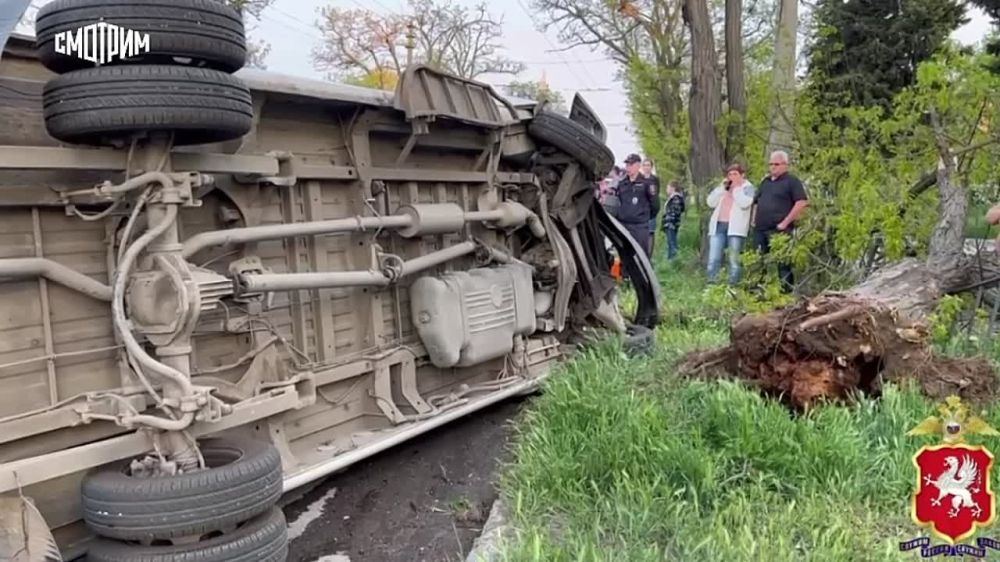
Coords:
835,345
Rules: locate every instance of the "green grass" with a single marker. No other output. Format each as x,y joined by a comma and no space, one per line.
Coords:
622,460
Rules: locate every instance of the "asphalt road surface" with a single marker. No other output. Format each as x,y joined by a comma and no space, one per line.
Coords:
422,501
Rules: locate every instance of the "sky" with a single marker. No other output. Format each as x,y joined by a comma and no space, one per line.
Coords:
289,26
285,25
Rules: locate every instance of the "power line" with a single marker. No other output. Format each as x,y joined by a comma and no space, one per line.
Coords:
380,5
292,17
551,44
295,28
580,61
597,88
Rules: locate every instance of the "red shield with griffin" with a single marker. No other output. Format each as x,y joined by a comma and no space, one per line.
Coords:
953,490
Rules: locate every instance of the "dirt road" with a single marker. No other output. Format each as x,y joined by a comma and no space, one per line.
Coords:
424,501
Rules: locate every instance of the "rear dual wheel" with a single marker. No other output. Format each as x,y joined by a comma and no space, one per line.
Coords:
178,82
110,104
199,33
224,512
261,539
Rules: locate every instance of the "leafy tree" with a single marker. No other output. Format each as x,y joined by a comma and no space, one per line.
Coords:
384,79
648,42
867,51
445,35
539,91
860,163
250,7
257,49
992,9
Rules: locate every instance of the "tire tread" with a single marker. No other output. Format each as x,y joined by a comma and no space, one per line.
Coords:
573,139
262,539
92,106
207,31
120,507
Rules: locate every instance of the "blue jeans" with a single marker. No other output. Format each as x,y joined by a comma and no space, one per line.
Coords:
717,243
671,242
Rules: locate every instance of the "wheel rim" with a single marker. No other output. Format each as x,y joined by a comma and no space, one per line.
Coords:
215,455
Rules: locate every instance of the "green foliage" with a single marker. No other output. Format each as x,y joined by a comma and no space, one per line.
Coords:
620,459
538,91
663,138
992,9
860,164
942,320
381,79
757,124
865,52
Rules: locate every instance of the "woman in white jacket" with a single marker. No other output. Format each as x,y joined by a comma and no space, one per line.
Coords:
730,221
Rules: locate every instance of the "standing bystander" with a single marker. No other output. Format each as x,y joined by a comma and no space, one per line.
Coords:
639,201
730,221
780,201
672,214
647,172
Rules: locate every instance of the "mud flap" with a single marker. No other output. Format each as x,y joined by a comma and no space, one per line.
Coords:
581,113
637,267
24,535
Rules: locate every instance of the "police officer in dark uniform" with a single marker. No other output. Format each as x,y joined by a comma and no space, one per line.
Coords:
640,201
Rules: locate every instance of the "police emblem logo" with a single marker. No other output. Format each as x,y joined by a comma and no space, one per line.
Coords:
953,497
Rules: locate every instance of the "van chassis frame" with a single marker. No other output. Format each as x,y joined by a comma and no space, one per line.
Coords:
279,169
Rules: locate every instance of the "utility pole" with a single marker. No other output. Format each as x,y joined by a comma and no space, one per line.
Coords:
410,38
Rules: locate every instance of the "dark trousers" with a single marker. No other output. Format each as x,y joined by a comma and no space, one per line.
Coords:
639,231
671,242
763,240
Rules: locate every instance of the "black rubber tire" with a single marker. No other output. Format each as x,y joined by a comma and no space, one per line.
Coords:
243,480
262,539
639,341
105,105
573,139
208,32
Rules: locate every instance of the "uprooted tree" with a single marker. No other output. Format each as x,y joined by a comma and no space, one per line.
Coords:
840,342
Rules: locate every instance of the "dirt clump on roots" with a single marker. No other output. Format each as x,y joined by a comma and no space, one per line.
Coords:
834,346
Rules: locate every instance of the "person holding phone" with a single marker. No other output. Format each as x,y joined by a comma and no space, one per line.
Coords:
727,229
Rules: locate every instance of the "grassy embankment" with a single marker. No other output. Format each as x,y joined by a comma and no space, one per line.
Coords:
620,460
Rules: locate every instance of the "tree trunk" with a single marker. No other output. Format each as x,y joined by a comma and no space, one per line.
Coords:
705,100
781,135
948,238
735,81
704,107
